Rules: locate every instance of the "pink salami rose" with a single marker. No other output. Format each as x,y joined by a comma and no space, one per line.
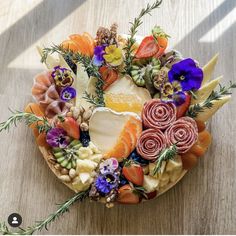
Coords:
150,143
183,133
158,115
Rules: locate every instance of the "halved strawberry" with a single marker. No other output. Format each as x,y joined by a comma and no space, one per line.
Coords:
133,173
147,48
70,126
182,109
109,76
127,195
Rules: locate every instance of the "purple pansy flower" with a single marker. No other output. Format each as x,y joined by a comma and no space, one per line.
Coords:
62,76
109,165
67,94
106,182
57,137
187,73
99,51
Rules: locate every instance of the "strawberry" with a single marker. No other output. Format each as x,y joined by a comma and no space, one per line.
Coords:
109,76
127,195
182,109
133,173
147,48
70,126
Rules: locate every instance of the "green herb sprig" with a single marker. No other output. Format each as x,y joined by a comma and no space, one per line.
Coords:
133,30
214,96
167,154
39,225
28,118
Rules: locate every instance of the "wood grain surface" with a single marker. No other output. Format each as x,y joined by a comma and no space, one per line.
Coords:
204,202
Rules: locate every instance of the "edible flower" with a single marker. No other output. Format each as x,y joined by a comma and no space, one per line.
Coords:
98,58
187,74
62,76
67,94
57,137
113,55
172,92
109,165
106,182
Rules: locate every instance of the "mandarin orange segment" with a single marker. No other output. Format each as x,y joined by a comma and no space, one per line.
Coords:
90,42
81,43
70,45
127,139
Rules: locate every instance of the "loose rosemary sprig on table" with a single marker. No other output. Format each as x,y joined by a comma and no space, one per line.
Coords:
215,95
51,218
167,154
133,30
28,118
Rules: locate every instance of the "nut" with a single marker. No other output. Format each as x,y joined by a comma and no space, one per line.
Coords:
81,110
79,120
76,113
57,166
84,126
72,173
69,114
64,171
87,114
65,178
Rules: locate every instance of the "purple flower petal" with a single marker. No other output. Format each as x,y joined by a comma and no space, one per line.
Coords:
179,98
57,137
187,73
67,94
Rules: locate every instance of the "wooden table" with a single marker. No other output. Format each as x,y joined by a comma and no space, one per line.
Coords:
204,202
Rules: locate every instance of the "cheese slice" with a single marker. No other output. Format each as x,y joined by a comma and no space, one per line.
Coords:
203,93
208,113
81,85
208,69
126,85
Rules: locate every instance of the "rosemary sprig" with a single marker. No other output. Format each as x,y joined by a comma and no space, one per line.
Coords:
167,154
28,118
133,30
39,225
215,95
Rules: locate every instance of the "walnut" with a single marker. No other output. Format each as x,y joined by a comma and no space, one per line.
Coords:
106,36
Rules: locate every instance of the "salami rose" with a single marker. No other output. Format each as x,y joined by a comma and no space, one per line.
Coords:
183,133
150,143
158,115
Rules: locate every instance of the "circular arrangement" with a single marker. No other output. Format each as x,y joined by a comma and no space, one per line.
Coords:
117,119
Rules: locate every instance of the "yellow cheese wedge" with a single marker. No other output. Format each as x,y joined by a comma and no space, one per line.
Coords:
208,69
51,61
115,134
203,93
81,85
208,113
